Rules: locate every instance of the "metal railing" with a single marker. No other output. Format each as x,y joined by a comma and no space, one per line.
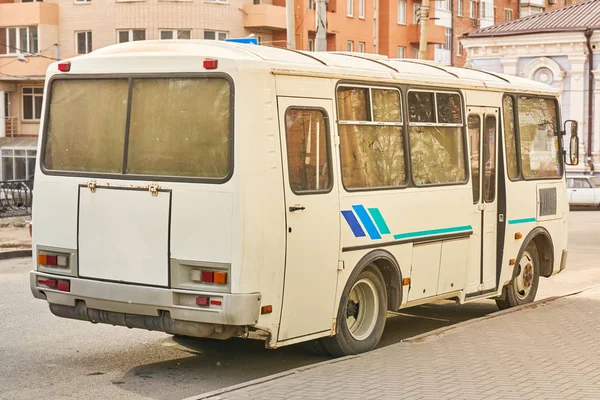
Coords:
16,198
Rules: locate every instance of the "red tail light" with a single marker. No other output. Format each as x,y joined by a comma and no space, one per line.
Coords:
64,286
210,64
64,67
51,283
203,301
208,276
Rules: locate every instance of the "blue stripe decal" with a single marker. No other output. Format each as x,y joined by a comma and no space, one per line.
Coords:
409,235
379,221
353,222
521,221
364,217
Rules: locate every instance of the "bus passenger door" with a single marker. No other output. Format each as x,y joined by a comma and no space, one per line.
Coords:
483,128
312,209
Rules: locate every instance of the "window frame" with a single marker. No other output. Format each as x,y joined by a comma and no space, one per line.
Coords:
27,156
459,47
350,46
350,8
88,42
402,125
508,12
130,35
462,125
226,33
33,95
329,149
460,5
361,9
520,177
362,47
16,50
131,77
175,33
403,52
401,21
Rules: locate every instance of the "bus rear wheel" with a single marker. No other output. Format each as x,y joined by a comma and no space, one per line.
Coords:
361,315
523,287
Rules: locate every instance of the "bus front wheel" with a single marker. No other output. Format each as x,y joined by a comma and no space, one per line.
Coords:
361,315
524,284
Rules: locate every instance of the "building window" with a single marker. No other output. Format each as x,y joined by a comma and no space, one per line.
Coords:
22,39
473,9
459,47
18,164
402,12
361,47
175,34
350,5
442,5
6,106
32,103
84,42
361,9
486,11
415,52
131,35
416,12
350,45
401,52
311,44
460,6
508,15
448,44
215,35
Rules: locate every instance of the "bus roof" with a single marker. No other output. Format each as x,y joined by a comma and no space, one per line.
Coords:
342,65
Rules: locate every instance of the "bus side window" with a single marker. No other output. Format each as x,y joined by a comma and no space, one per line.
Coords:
307,151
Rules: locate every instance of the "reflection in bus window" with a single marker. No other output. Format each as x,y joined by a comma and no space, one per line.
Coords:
437,154
489,159
474,141
538,138
420,107
372,152
511,137
307,151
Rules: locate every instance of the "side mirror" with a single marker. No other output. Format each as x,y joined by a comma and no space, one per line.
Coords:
571,127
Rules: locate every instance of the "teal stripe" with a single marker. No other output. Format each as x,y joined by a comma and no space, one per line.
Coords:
433,232
379,221
521,221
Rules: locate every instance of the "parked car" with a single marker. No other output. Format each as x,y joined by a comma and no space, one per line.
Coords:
583,191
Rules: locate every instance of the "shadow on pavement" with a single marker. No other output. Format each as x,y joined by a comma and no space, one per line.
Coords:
212,364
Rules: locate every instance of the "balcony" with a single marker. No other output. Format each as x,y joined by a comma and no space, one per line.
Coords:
435,34
24,14
264,16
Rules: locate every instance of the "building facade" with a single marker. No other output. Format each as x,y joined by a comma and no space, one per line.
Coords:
560,48
34,33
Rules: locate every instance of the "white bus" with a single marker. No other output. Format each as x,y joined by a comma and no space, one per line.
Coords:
213,189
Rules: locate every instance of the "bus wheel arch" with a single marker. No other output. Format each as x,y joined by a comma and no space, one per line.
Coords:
387,265
534,260
545,248
363,305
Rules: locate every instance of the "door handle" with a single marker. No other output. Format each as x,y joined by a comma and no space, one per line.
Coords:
297,208
481,206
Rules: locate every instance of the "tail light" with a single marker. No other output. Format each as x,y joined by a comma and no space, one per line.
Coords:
53,260
60,284
206,276
64,66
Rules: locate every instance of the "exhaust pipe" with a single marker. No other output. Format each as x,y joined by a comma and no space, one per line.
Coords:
163,322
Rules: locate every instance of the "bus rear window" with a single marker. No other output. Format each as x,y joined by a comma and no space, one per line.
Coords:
178,127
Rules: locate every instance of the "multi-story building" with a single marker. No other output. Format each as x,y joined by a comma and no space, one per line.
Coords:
34,33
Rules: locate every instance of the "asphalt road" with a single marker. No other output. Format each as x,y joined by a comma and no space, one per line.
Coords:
42,356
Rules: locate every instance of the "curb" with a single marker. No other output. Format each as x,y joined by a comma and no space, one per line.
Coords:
414,339
7,255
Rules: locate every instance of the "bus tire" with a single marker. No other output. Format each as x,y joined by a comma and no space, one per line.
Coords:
524,284
361,315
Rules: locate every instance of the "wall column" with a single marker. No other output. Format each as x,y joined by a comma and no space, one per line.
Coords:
510,66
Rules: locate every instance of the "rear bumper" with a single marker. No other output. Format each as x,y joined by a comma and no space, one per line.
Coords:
235,309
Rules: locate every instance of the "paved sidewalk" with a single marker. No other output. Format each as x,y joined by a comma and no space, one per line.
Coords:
547,350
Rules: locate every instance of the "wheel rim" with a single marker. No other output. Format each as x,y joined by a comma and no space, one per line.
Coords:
362,309
524,279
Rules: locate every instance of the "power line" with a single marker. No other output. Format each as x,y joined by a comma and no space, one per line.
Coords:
31,54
